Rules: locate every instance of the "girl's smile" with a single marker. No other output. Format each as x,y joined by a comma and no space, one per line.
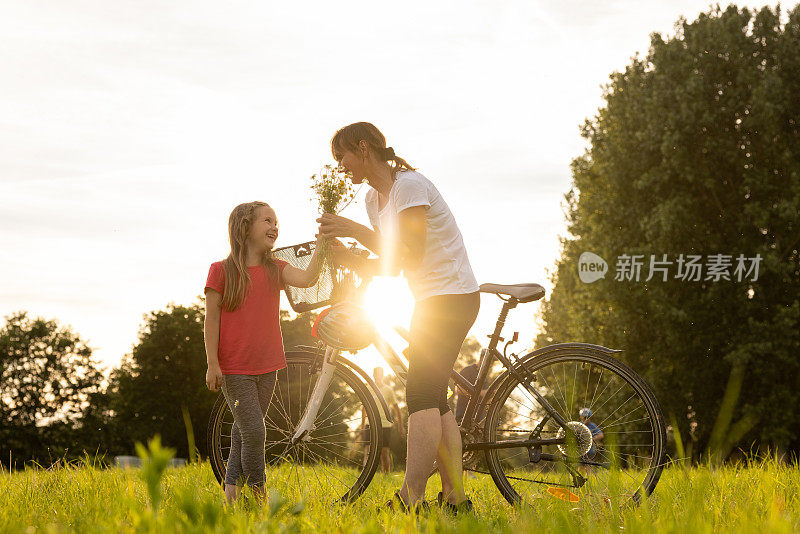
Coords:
264,229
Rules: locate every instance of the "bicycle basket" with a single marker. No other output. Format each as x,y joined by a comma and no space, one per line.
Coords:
334,284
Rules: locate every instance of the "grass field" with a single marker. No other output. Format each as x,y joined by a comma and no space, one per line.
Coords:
84,498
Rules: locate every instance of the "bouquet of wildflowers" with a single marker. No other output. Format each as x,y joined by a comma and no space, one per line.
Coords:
334,191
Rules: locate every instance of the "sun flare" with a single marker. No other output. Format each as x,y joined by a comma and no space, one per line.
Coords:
389,303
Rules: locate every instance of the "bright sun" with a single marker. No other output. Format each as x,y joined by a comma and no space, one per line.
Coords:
389,303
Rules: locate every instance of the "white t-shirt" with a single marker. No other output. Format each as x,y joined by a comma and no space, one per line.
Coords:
445,268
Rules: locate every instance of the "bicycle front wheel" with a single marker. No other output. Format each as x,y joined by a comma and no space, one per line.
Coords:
337,458
615,455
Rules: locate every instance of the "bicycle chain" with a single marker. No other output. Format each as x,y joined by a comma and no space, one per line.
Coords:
529,431
526,479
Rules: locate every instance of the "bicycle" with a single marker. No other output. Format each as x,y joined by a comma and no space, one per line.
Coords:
521,429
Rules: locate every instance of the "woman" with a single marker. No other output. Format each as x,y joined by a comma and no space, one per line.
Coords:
414,231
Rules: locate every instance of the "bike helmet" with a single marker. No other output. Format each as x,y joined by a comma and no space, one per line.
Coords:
344,326
586,412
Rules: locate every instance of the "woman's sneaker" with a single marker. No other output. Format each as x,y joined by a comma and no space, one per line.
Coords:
396,503
463,507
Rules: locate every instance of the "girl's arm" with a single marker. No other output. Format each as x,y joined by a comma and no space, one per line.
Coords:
211,336
307,277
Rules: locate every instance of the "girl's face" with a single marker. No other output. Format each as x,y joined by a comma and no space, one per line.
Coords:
263,230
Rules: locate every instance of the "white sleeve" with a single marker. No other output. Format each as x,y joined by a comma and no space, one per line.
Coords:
409,193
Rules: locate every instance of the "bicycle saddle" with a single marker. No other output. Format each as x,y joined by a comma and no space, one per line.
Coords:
521,292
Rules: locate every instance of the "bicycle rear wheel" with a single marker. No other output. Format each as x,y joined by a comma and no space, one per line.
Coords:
621,467
338,458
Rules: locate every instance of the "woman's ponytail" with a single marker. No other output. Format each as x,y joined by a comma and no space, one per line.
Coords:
347,138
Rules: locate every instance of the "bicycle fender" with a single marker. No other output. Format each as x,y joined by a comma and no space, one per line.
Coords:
560,346
549,349
370,383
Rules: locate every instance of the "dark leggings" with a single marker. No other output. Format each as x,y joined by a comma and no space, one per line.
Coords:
438,328
248,398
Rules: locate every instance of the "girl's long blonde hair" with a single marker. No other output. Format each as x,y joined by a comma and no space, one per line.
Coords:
237,278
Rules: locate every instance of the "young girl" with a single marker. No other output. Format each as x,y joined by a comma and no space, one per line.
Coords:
244,348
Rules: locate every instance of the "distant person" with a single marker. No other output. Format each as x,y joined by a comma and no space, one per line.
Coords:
597,432
244,348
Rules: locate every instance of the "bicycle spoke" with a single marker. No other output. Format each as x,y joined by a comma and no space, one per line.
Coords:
588,379
627,422
594,395
547,386
330,472
617,409
281,411
569,383
574,382
317,436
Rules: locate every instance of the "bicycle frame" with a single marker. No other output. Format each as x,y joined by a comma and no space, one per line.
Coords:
473,390
306,424
469,422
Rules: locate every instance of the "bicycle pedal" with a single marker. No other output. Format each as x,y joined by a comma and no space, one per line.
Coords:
563,494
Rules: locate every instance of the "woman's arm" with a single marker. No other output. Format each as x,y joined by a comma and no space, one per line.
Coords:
413,233
307,277
343,256
331,225
405,253
211,337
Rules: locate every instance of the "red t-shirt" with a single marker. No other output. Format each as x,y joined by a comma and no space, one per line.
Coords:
250,341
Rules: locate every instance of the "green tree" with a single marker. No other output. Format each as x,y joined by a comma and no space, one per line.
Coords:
165,373
46,377
696,151
296,331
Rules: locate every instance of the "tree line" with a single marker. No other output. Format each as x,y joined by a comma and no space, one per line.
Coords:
696,154
57,406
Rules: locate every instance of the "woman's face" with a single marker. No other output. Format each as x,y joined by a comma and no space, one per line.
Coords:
354,163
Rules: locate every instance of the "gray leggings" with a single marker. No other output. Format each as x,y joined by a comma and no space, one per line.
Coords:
248,398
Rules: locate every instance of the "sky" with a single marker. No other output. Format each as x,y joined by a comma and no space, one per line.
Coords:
130,129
